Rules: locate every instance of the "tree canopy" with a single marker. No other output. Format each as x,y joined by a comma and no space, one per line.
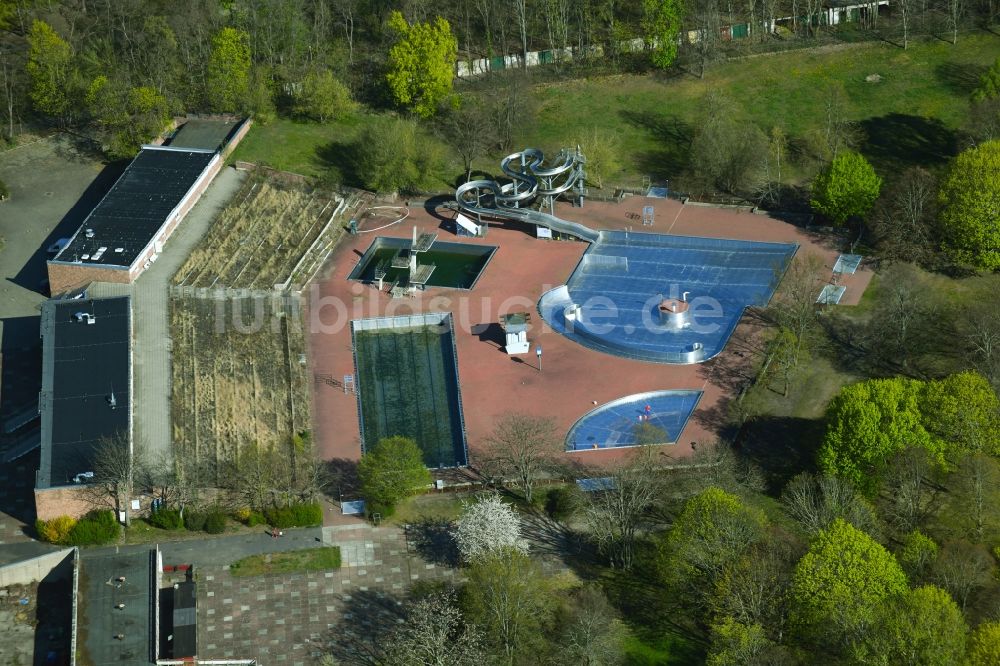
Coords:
714,530
50,68
392,470
989,84
984,645
488,525
847,188
868,422
661,21
421,64
227,80
323,97
970,201
963,411
840,584
923,626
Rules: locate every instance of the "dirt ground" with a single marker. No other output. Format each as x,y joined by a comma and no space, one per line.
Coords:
572,378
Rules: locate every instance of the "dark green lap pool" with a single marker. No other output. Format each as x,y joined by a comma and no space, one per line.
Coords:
456,265
408,385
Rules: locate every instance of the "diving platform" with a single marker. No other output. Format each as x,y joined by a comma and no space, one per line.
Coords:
421,274
423,242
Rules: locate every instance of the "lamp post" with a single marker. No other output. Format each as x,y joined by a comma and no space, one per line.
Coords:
538,353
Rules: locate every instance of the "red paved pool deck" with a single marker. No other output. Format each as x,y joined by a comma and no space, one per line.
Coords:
492,383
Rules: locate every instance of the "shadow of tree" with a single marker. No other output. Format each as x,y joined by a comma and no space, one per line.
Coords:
432,540
960,78
341,158
673,138
782,446
546,536
898,141
368,617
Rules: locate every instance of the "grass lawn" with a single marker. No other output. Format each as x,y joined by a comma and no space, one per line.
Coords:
310,559
909,116
429,506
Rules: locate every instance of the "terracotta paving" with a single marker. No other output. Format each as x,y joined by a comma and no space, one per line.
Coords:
572,377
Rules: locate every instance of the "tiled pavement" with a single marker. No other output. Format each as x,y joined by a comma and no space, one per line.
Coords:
289,619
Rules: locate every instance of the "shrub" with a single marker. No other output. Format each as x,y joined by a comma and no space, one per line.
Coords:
4,193
195,520
215,522
242,514
94,529
167,519
56,530
563,502
255,518
295,515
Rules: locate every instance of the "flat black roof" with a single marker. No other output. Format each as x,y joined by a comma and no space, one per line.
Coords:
100,594
185,629
136,207
207,133
83,364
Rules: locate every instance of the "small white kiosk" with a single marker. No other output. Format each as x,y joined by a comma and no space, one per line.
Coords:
515,326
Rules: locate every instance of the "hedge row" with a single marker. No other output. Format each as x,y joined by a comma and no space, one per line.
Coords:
94,529
295,515
212,521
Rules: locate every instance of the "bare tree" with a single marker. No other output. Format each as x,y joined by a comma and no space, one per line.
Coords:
816,501
116,466
434,633
902,223
955,9
346,10
911,491
961,568
703,16
591,633
521,12
794,303
466,132
616,512
754,590
522,447
983,339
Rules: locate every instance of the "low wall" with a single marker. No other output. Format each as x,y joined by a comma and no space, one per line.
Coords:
73,501
58,564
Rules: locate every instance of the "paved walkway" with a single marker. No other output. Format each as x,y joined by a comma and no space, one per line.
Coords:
150,304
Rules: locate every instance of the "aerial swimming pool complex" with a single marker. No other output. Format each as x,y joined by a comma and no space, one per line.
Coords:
654,298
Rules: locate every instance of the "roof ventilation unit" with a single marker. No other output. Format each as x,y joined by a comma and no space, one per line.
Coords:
89,233
85,317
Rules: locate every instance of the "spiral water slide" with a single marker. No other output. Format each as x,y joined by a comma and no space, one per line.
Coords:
530,180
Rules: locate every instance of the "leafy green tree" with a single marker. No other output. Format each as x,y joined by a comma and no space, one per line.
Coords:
868,422
603,151
421,64
50,68
984,645
848,187
970,199
392,470
738,644
129,117
661,23
714,530
508,599
964,411
989,84
840,584
323,97
923,626
394,154
918,552
227,79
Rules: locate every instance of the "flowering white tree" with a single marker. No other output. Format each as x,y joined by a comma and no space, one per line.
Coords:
488,525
